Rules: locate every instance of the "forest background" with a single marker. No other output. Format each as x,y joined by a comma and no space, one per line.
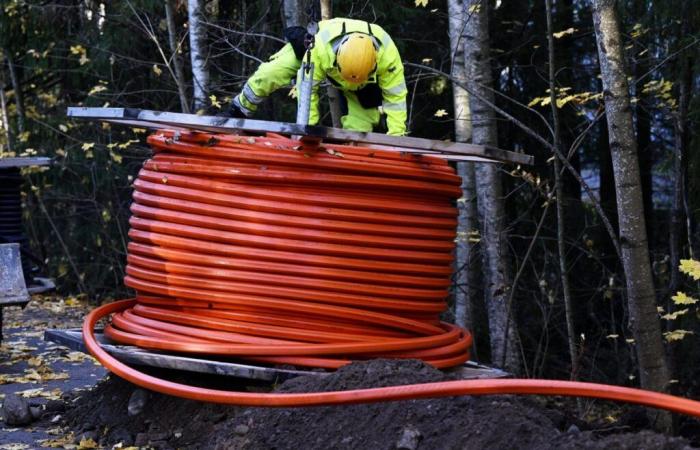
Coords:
547,273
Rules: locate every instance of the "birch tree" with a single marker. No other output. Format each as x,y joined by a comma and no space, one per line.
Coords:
198,52
496,270
465,276
16,89
654,374
293,13
4,119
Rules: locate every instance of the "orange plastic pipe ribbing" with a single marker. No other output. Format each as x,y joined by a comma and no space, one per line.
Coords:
256,249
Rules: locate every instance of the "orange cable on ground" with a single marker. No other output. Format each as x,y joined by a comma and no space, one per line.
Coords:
385,394
257,249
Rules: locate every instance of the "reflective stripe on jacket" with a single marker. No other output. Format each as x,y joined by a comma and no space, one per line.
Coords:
271,75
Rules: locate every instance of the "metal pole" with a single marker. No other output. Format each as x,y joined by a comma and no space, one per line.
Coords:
304,89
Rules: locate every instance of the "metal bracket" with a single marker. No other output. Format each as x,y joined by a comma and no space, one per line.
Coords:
456,151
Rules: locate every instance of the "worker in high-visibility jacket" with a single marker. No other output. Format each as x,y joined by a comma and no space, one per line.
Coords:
357,57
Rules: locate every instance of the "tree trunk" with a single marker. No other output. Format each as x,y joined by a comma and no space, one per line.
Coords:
17,89
333,93
3,115
561,215
681,144
177,62
198,53
496,270
293,11
654,374
465,272
646,160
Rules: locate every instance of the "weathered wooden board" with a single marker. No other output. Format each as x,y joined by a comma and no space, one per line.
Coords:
159,119
73,339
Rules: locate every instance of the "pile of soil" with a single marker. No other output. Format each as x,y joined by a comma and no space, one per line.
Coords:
465,422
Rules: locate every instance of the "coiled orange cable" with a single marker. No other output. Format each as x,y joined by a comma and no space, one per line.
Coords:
258,249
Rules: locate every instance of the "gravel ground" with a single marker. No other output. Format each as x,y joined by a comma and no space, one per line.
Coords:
41,372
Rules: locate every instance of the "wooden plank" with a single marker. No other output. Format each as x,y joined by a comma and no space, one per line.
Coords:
73,339
147,118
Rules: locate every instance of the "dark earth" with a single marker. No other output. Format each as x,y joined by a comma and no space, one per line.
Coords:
117,414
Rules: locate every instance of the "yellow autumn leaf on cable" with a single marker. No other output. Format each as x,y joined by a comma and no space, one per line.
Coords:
681,298
157,70
440,113
88,145
422,3
214,101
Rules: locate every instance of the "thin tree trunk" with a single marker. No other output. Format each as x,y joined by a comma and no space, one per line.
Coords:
681,142
333,93
177,62
654,374
496,269
467,220
4,117
561,215
198,54
17,89
293,13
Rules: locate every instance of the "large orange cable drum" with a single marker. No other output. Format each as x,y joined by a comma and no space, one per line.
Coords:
260,249
257,249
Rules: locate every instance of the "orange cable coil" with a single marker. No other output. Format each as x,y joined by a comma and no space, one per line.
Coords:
259,249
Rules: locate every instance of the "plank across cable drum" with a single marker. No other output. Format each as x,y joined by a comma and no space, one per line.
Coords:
260,249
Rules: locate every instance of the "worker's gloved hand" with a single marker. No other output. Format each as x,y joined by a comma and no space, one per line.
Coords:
296,36
232,111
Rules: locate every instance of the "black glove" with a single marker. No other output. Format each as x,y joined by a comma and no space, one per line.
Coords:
232,111
296,36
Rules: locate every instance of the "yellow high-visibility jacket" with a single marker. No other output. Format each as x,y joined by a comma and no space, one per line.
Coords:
283,65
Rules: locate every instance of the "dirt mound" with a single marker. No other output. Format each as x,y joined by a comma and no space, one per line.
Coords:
450,423
116,411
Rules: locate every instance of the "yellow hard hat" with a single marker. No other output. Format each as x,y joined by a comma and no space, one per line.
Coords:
356,57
